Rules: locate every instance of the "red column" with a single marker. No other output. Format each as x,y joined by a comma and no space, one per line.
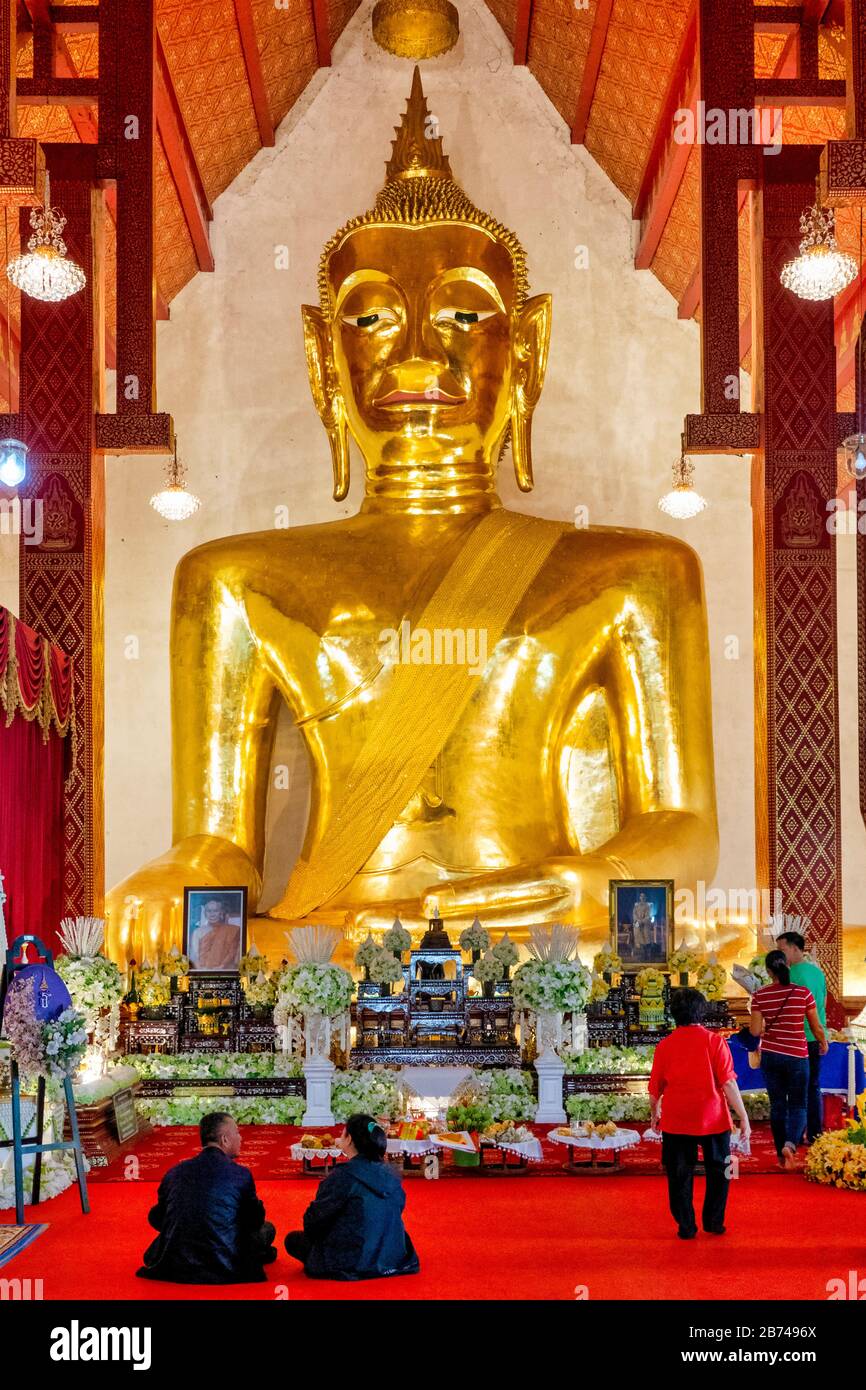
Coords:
62,579
797,781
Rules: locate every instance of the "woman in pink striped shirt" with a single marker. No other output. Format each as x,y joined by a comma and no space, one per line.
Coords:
778,1013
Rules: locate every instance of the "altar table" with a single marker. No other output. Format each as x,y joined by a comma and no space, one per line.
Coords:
834,1070
610,1144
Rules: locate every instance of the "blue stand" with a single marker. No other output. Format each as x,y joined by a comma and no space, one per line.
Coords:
17,1141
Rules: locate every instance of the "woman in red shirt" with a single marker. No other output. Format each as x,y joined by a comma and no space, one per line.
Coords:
691,1085
778,1012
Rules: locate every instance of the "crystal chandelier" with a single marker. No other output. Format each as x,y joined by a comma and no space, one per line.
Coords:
682,502
45,271
821,270
174,502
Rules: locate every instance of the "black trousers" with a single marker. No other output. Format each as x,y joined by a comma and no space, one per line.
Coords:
260,1244
679,1156
814,1099
298,1246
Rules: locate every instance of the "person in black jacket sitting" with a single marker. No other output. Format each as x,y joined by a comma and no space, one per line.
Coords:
212,1227
354,1229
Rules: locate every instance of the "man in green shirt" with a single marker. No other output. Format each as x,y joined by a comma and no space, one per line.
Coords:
805,972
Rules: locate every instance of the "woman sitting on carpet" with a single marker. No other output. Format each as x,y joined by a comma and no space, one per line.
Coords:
691,1085
354,1229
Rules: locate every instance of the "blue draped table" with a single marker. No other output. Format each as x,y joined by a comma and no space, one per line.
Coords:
834,1070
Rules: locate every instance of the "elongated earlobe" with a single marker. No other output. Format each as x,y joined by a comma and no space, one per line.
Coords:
338,438
533,339
326,395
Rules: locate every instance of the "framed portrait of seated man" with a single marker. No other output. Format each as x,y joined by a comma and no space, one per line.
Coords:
642,921
214,929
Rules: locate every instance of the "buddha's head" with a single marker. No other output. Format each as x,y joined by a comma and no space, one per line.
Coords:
425,347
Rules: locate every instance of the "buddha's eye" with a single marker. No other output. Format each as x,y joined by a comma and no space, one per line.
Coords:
464,318
371,318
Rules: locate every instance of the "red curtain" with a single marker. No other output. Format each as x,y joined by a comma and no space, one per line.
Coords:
35,747
31,829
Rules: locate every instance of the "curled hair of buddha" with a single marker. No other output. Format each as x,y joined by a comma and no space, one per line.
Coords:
421,189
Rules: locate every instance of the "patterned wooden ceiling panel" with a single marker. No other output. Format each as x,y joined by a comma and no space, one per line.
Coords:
173,251
339,14
558,44
287,47
46,123
642,44
679,247
204,53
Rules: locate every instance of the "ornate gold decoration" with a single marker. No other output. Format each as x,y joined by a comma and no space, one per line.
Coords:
416,28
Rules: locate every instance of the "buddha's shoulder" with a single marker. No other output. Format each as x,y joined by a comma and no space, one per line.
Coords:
257,548
646,548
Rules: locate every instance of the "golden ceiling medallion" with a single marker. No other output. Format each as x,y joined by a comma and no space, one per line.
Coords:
416,28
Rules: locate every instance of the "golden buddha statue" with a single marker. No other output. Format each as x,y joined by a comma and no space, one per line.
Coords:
501,713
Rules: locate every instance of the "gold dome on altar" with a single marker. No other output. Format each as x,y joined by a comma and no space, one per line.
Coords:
416,28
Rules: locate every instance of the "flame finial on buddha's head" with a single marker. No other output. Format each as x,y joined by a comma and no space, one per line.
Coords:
420,188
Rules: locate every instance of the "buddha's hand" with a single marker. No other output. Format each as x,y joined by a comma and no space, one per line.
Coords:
567,888
153,895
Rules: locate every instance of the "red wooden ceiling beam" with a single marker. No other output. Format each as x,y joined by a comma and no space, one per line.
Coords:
182,161
50,50
255,75
521,32
667,161
322,32
591,69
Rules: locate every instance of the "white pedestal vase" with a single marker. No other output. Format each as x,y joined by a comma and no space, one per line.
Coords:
550,1069
319,1075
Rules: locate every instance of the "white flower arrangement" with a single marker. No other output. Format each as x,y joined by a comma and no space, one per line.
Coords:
259,992
487,969
506,952
246,1110
758,967
475,938
43,1047
94,984
385,967
315,987
397,939
509,1093
551,986
365,1093
618,1061
64,1040
587,1105
202,1066
366,952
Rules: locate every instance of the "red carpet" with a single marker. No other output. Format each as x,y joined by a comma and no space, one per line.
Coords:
521,1238
266,1152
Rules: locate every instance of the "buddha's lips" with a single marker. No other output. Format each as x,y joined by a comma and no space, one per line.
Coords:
433,396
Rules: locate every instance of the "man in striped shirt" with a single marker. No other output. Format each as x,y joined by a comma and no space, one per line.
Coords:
779,1012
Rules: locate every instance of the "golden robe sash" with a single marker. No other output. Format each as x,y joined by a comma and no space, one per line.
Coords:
423,703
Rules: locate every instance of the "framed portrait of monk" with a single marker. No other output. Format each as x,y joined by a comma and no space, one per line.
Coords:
214,929
642,921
